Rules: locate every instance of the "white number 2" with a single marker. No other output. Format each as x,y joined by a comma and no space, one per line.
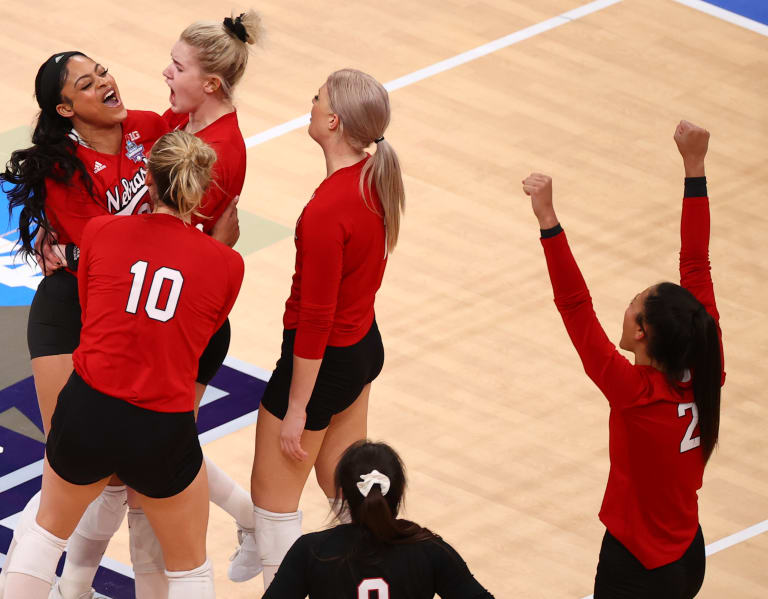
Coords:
373,585
139,271
689,441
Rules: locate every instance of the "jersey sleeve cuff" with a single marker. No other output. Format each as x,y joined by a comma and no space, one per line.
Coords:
551,232
695,187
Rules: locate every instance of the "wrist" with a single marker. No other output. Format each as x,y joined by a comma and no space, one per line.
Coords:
694,168
548,220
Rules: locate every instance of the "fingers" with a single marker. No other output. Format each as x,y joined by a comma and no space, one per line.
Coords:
291,446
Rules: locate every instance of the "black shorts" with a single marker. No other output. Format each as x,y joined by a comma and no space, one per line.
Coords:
54,317
344,372
214,354
621,575
94,435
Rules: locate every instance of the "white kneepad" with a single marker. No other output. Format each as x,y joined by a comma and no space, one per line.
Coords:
28,516
104,515
37,554
57,594
191,584
275,533
146,552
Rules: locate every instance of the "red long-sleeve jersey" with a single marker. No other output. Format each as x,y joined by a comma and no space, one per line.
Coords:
152,291
650,503
118,180
224,136
341,255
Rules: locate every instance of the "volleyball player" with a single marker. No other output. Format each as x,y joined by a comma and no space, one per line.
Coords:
316,402
665,408
87,160
148,312
377,554
208,61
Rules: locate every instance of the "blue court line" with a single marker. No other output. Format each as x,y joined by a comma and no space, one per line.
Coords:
756,10
714,8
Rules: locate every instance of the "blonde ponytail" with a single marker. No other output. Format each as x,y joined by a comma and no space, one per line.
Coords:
362,105
222,47
181,165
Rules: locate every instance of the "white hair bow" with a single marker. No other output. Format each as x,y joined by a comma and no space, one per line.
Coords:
373,478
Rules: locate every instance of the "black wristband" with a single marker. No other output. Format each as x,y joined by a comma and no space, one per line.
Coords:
695,187
73,256
547,233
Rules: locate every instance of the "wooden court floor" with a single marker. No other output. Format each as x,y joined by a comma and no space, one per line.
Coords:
504,437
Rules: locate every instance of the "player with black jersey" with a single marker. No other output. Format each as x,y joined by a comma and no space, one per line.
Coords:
377,554
148,313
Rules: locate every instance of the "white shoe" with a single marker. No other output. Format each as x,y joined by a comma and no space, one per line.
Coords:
246,560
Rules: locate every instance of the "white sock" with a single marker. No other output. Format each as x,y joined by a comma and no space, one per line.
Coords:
99,523
191,584
32,569
343,517
146,557
275,533
229,496
27,518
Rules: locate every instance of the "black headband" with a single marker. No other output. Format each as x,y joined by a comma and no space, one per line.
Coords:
48,80
236,27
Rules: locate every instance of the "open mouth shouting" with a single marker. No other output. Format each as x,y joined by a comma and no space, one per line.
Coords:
111,98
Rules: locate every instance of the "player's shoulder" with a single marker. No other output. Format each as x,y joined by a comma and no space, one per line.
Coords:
146,123
97,224
224,135
220,251
174,120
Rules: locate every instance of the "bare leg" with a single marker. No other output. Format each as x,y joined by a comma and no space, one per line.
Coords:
346,427
180,523
51,374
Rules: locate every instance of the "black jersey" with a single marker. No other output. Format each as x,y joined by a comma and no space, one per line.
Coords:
319,565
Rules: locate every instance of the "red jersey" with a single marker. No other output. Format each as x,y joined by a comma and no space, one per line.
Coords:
152,290
118,179
341,253
650,503
224,136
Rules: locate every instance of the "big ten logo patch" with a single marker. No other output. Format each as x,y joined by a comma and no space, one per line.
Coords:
230,403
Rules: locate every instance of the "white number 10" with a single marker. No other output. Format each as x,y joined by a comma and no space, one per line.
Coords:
139,270
689,441
373,585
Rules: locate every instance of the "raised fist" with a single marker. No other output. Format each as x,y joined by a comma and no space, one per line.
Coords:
692,142
539,187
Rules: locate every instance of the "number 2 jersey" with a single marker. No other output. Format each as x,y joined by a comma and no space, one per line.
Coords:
119,180
396,571
153,290
650,503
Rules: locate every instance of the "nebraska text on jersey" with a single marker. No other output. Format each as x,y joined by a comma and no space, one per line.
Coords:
122,198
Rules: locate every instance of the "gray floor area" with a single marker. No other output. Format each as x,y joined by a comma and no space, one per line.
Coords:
14,364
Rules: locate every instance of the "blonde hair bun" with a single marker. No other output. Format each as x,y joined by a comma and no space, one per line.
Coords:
222,47
182,167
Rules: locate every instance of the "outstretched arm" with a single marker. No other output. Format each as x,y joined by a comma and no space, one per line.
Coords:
610,371
695,270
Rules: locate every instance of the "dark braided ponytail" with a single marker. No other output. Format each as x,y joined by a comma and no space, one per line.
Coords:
51,156
682,336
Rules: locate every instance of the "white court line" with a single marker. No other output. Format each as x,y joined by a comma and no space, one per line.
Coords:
730,541
450,63
727,15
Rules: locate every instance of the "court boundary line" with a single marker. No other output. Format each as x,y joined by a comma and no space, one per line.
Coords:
726,15
450,63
